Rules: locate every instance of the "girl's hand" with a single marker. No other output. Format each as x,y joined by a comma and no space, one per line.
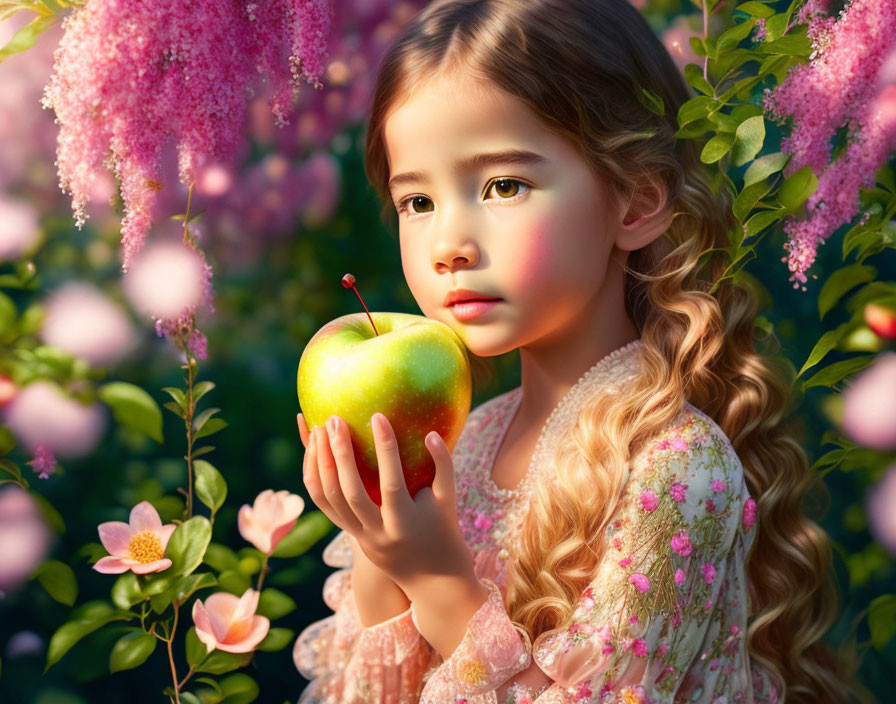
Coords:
409,539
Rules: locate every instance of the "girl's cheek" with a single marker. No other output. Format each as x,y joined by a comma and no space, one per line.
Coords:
533,263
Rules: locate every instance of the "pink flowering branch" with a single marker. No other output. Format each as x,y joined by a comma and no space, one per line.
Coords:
129,76
837,90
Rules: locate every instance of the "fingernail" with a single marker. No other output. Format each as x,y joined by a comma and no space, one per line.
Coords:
331,424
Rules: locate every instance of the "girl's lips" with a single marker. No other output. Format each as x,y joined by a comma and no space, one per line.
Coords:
467,310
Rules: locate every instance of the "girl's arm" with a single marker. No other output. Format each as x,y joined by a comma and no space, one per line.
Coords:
378,598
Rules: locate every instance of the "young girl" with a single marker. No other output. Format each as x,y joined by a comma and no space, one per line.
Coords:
626,525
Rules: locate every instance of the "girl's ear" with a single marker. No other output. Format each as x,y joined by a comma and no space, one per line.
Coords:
646,216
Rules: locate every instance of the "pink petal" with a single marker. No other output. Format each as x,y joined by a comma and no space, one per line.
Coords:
144,517
115,537
281,532
246,606
204,626
260,627
251,531
113,565
164,534
156,566
220,607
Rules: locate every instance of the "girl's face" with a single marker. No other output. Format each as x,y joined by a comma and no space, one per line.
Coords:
535,230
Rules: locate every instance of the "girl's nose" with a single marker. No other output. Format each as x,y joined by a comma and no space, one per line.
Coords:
454,248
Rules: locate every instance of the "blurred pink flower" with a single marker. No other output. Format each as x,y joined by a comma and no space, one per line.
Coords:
18,228
676,39
84,322
880,500
324,181
41,414
43,463
270,518
128,77
138,546
869,405
25,537
836,89
229,623
165,280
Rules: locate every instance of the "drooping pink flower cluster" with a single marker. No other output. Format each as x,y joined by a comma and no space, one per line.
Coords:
44,463
840,88
129,77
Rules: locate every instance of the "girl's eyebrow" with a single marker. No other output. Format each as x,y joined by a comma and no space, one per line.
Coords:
470,163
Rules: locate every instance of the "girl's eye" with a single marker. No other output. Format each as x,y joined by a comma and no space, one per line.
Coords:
506,188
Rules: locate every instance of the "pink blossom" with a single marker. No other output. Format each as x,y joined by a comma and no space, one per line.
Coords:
709,572
710,506
19,232
676,39
229,623
835,89
138,545
649,500
749,513
717,485
677,491
869,405
43,463
679,576
25,537
679,444
270,518
714,664
625,562
640,581
663,648
880,500
482,522
81,320
640,648
128,77
167,279
583,693
681,543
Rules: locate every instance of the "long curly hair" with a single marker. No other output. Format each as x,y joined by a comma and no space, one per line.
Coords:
591,70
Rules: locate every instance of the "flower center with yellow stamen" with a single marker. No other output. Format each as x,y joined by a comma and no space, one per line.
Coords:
472,672
145,547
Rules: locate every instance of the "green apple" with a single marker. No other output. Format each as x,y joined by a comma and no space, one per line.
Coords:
416,372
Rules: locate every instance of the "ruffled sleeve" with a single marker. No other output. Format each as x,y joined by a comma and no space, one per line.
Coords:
643,617
347,662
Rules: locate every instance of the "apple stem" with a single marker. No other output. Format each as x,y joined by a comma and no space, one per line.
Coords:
348,281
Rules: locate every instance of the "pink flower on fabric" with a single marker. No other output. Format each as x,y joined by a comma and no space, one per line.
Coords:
625,562
679,576
662,445
649,500
749,516
228,622
717,485
663,648
714,664
681,543
710,506
44,463
677,491
640,648
138,546
584,692
617,543
270,518
482,522
640,581
709,572
679,445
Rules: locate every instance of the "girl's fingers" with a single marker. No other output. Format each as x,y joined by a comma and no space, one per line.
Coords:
303,429
393,487
353,490
311,479
329,479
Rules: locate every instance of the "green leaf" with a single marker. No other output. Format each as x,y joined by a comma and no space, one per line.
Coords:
308,530
174,408
825,344
131,650
203,450
274,604
838,371
196,649
239,688
211,426
748,140
186,549
7,440
790,45
220,557
693,74
764,167
12,469
755,9
695,109
731,37
797,188
276,639
652,102
189,697
233,582
59,581
717,147
218,662
182,590
179,396
882,620
133,408
86,619
698,128
26,36
201,389
748,198
758,222
126,591
840,282
211,489
54,518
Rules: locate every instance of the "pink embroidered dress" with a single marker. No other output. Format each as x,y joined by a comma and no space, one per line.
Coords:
663,620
